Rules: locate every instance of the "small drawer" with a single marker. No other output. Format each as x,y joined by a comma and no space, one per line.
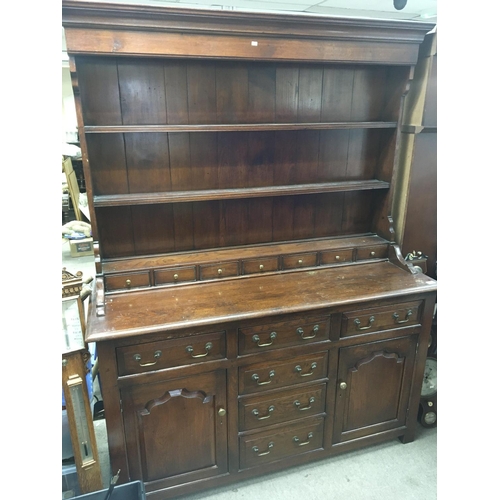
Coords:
274,374
127,281
381,318
299,260
282,334
221,270
169,353
174,275
287,441
375,252
254,266
258,411
336,256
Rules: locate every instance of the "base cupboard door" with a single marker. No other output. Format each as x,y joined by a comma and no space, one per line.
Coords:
373,387
176,430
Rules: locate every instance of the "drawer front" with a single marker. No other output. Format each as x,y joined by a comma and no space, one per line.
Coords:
175,275
127,281
375,252
287,441
258,411
299,260
253,266
221,270
281,334
169,353
336,256
273,374
381,318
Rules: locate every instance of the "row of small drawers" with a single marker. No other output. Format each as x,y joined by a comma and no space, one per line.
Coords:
228,269
260,338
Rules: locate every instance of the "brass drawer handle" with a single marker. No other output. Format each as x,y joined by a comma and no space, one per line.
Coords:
300,331
137,357
255,377
298,369
357,322
269,446
256,339
297,404
269,411
407,318
297,440
190,349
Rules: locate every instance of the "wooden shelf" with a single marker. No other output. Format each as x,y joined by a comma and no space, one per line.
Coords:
240,127
229,194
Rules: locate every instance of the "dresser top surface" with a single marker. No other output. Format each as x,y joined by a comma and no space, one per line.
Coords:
166,309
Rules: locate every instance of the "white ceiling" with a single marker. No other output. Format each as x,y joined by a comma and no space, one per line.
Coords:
416,10
419,10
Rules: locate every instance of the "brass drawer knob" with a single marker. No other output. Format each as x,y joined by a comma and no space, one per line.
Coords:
357,322
219,271
372,254
298,369
255,449
156,356
300,261
298,404
261,267
407,318
128,283
297,440
300,331
272,336
190,350
267,415
256,377
337,257
176,277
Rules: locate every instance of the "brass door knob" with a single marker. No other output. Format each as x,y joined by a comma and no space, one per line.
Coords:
221,412
343,385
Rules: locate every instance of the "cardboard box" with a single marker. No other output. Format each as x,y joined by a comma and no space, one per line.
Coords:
81,248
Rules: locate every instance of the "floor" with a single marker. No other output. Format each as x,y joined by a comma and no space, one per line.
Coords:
388,471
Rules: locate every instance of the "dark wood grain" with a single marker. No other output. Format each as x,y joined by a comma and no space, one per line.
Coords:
244,299
241,171
109,167
148,162
202,103
176,92
99,91
142,92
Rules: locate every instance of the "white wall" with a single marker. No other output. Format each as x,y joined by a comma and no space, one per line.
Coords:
69,124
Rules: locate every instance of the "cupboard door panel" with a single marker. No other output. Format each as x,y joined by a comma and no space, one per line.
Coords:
373,387
197,443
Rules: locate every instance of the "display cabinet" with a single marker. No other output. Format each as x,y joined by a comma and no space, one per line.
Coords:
252,310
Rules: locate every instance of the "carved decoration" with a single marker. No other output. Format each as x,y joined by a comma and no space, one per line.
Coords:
377,354
174,394
71,283
396,257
